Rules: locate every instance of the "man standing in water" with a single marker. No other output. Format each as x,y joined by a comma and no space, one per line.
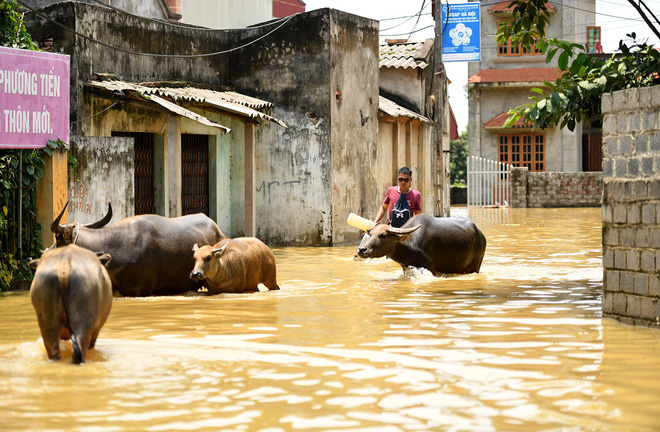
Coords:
401,202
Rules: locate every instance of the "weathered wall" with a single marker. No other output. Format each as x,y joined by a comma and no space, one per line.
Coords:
403,86
572,189
132,34
354,128
403,142
100,178
301,70
146,8
631,206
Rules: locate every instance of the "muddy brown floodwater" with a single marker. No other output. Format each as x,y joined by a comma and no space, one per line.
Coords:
359,346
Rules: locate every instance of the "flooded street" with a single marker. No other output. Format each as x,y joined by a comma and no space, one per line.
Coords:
359,346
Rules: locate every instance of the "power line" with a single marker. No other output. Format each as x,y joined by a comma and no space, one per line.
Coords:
126,51
408,33
418,16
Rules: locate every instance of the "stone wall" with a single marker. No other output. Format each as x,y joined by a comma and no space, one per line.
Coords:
631,206
555,189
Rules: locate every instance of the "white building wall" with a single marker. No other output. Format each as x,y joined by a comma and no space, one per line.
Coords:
226,14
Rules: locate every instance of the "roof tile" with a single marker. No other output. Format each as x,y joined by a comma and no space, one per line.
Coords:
404,54
498,121
503,6
515,75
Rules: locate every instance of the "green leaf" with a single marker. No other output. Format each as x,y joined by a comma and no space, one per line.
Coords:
562,62
29,169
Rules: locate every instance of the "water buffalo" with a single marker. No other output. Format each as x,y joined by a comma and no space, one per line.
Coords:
235,265
72,294
150,253
441,245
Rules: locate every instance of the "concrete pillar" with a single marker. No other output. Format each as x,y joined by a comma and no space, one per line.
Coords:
172,182
395,150
250,181
408,144
52,194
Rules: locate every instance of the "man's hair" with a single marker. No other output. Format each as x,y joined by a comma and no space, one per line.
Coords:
405,170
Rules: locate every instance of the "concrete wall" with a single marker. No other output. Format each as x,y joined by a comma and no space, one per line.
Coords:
156,9
354,129
100,178
321,167
631,206
403,142
573,189
405,86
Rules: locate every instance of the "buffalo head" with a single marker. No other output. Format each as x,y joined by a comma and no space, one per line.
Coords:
206,261
64,234
382,240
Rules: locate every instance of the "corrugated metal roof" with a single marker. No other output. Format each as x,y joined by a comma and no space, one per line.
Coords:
229,101
395,110
124,88
405,54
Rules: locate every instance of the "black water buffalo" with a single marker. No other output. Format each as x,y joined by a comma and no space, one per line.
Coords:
150,253
72,295
441,245
235,265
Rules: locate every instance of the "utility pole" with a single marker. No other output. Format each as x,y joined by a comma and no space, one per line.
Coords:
439,78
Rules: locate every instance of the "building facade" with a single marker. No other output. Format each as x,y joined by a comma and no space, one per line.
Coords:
503,80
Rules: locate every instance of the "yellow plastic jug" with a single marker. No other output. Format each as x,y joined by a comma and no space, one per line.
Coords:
359,222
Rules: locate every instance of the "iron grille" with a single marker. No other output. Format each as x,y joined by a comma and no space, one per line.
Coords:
195,174
144,170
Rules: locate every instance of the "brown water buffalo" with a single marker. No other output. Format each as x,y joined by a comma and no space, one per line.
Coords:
441,245
72,294
235,265
150,253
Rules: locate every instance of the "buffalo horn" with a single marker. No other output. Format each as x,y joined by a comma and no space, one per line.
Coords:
55,226
403,230
103,222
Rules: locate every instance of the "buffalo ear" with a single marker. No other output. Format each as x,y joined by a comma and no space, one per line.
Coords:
33,264
104,258
220,251
195,247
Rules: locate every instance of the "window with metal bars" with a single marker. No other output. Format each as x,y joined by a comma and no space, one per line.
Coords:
593,39
523,150
143,177
510,50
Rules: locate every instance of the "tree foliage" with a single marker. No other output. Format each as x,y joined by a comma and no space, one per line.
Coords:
14,182
13,33
458,159
576,95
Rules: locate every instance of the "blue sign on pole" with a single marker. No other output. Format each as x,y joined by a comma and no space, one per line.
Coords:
461,37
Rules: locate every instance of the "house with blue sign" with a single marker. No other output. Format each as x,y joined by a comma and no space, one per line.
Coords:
503,80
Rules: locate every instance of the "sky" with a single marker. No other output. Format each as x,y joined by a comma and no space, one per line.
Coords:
616,18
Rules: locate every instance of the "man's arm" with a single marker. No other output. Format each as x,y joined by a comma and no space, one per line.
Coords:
418,200
381,212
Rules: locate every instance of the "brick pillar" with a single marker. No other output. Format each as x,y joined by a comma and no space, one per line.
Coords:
519,187
631,206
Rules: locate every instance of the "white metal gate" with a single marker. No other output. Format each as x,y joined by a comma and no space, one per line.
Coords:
488,182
